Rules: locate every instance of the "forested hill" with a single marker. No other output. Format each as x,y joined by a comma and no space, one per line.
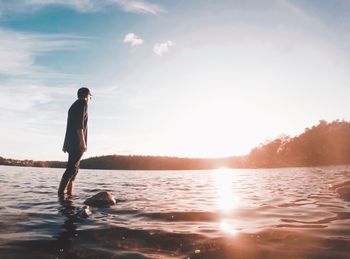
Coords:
134,162
323,144
159,163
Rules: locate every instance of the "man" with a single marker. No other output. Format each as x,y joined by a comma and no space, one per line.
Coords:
75,142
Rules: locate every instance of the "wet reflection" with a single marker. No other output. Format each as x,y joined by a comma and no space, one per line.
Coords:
227,227
64,238
227,198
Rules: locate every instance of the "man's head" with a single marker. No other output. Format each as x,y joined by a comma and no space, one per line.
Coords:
84,93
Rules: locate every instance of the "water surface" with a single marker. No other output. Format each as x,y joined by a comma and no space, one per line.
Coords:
225,213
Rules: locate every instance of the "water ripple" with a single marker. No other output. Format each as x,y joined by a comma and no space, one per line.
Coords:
292,213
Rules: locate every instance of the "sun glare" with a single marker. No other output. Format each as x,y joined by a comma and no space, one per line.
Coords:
209,125
227,199
227,227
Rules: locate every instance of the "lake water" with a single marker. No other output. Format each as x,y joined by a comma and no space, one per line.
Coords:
270,213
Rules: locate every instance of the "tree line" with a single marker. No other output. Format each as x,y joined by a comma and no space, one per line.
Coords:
323,144
135,162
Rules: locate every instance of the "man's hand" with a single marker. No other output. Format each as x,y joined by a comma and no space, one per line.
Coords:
83,147
82,140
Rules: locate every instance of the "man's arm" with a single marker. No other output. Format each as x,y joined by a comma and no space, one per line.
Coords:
82,141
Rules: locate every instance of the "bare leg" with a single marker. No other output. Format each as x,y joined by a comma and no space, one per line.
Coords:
70,187
62,187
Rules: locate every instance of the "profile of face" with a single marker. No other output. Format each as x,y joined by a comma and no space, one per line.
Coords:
87,98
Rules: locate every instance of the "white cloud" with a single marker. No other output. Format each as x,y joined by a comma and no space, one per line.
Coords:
35,116
161,48
301,13
81,5
133,39
137,6
22,99
18,50
133,6
25,95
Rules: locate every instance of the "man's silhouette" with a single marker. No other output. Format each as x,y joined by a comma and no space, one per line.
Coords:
75,142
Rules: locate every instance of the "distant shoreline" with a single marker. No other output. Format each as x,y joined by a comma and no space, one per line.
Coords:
326,144
136,162
169,169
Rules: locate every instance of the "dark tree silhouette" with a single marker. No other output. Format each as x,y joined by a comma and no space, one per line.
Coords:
323,144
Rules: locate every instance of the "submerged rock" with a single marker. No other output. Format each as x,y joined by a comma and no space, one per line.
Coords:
342,188
84,212
339,184
101,200
344,192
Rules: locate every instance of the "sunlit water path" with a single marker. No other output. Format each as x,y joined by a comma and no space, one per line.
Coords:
220,213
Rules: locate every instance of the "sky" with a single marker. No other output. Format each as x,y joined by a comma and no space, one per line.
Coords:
188,78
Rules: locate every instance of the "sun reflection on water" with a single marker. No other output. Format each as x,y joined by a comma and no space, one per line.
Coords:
227,198
228,228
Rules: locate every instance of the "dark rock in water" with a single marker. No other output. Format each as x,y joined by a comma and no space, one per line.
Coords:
342,188
344,192
84,212
339,184
101,200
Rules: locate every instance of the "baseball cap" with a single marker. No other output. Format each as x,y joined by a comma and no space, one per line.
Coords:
83,91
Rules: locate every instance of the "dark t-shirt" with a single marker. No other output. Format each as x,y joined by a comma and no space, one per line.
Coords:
77,119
